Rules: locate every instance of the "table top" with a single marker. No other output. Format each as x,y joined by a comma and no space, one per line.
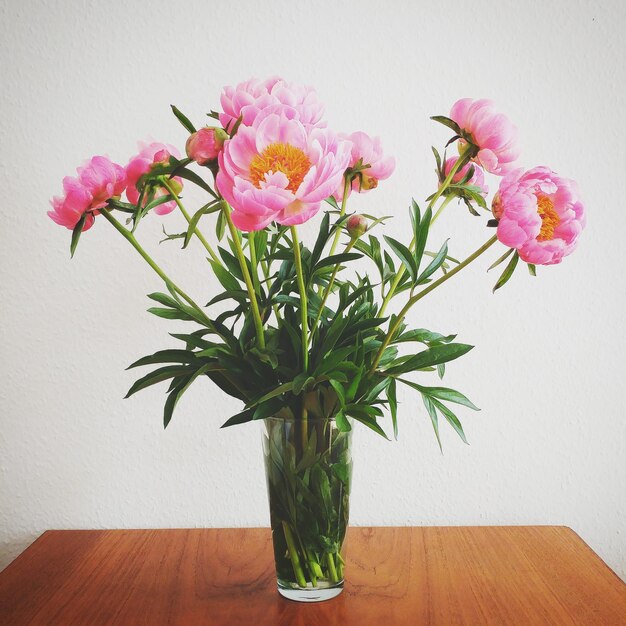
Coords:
519,575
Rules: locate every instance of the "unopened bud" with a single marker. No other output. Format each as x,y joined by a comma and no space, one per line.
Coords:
496,206
356,225
204,145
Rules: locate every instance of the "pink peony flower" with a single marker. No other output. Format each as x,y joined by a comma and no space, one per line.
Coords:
149,155
98,180
205,144
249,98
477,179
370,151
279,170
540,214
492,133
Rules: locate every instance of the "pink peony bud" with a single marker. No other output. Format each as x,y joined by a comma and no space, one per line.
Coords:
356,225
205,144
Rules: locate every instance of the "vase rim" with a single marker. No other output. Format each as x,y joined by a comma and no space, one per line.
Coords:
311,420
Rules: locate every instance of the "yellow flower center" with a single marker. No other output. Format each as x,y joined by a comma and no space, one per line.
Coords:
280,157
549,218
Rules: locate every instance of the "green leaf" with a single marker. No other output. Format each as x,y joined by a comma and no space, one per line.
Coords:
368,421
227,280
193,223
532,269
125,207
281,389
163,298
301,382
336,259
238,295
156,202
183,119
438,160
504,257
393,405
343,424
435,264
240,418
177,392
446,121
404,254
165,356
171,314
508,272
451,418
231,262
421,235
220,226
423,335
431,356
157,376
430,407
76,233
196,179
338,387
442,393
342,470
322,238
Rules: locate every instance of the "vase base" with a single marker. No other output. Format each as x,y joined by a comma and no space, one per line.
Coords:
310,594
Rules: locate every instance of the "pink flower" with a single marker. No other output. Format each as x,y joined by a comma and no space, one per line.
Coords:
149,155
98,181
477,179
205,144
369,151
492,133
279,170
249,98
540,214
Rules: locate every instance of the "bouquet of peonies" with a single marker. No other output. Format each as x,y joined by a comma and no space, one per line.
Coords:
305,344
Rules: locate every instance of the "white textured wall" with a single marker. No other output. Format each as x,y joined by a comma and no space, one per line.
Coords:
81,78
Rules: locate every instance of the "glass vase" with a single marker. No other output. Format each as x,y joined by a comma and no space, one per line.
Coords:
308,467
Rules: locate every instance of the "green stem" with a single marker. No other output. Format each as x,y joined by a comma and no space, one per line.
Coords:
246,275
150,261
342,212
460,163
255,275
332,570
304,317
442,206
168,185
328,290
400,318
266,274
293,555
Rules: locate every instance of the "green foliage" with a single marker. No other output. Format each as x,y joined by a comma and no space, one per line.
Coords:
353,364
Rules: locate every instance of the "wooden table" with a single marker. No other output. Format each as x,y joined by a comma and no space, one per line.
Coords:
464,575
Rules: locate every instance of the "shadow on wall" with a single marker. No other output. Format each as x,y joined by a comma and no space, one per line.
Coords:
11,549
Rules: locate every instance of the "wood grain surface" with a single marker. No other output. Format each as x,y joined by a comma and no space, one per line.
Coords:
443,576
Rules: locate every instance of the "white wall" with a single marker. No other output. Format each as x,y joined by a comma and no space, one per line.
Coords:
93,77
